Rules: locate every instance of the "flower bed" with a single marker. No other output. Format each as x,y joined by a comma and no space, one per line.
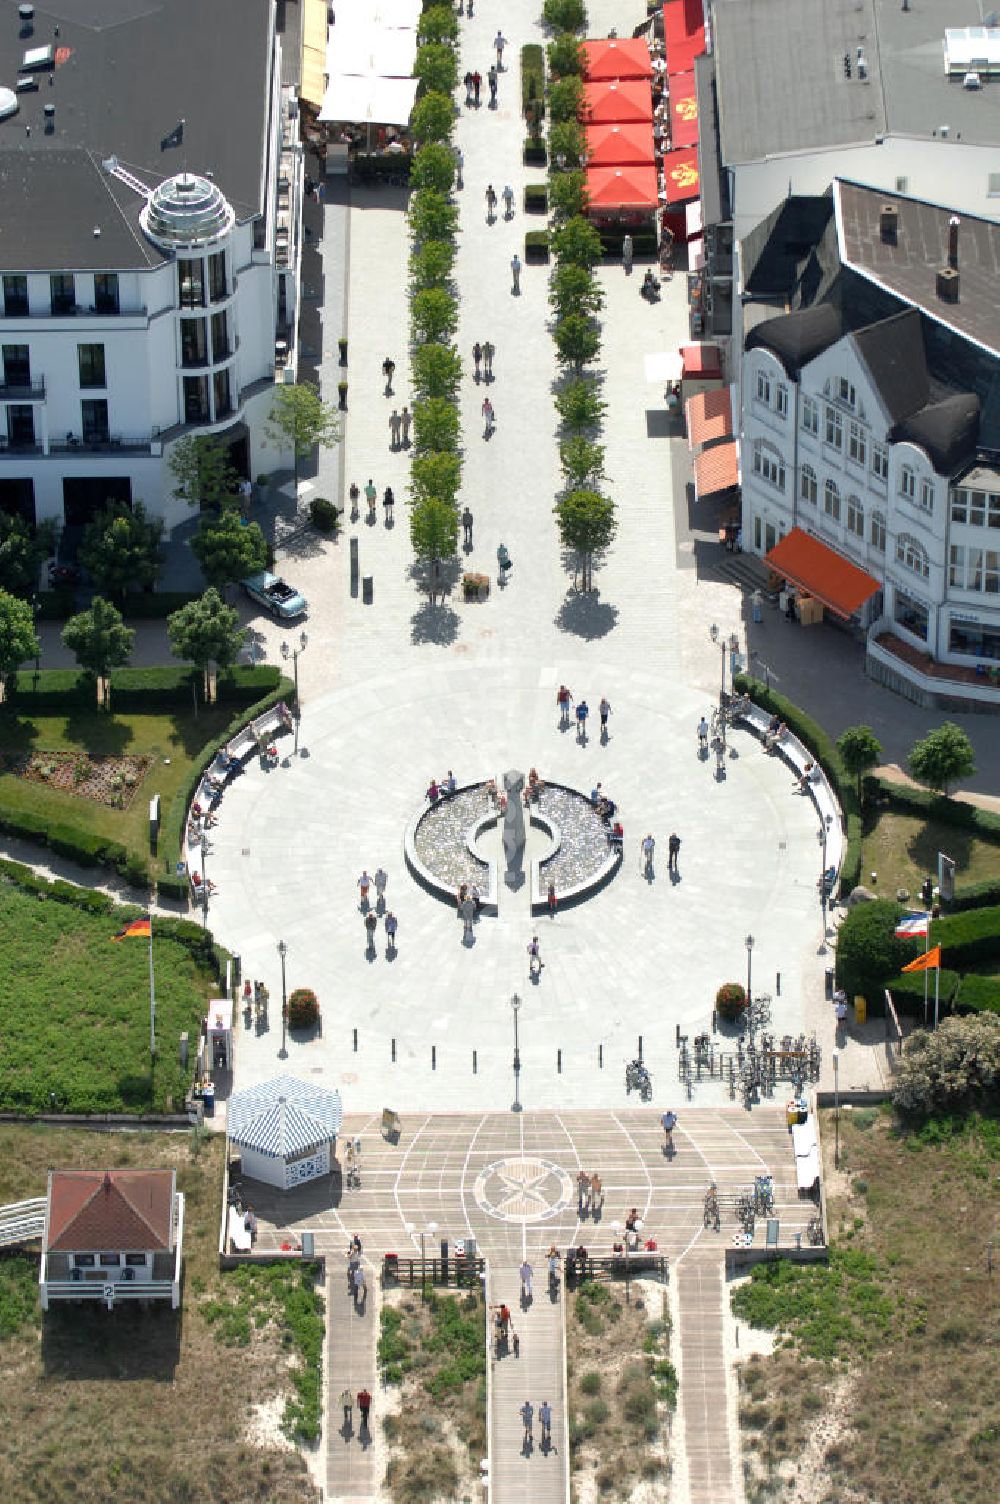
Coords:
103,780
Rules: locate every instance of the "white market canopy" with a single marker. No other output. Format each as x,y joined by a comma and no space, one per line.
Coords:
368,100
666,365
386,54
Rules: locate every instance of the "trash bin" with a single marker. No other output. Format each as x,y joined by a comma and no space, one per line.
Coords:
860,1008
828,981
208,1097
308,1245
367,589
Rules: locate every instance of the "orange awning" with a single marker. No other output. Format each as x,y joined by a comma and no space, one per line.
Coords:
614,145
821,572
716,469
684,33
622,187
683,110
617,57
604,104
709,417
680,174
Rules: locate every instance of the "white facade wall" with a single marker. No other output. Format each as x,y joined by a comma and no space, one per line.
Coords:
913,500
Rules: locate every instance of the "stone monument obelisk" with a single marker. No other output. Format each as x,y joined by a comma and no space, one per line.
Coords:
513,829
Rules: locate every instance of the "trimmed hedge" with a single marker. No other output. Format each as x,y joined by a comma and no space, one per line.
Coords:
968,938
533,153
536,246
908,994
976,896
536,198
983,822
822,748
978,995
644,242
132,689
532,74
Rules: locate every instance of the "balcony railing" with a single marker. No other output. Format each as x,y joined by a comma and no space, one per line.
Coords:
23,391
112,443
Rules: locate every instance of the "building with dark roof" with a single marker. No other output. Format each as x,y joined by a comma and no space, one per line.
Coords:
150,196
112,1235
871,422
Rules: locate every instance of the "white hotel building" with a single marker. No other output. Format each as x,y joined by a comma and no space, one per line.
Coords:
150,197
870,424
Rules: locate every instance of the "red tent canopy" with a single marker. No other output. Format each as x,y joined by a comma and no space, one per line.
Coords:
683,110
684,33
606,104
622,187
617,57
612,145
680,171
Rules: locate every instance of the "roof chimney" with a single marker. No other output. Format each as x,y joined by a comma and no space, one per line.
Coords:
888,224
953,225
948,282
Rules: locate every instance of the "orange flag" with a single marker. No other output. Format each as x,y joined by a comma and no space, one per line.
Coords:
137,927
930,961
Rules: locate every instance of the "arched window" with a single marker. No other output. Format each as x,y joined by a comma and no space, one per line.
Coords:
876,535
907,482
913,555
831,500
769,464
855,516
808,488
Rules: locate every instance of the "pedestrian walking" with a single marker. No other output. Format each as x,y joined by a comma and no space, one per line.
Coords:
545,1416
467,81
395,429
360,1286
491,203
582,1193
381,879
489,417
534,957
564,700
499,42
648,848
627,255
668,1123
354,494
371,496
515,272
673,852
605,710
552,900
477,84
508,201
489,350
347,1400
477,356
388,502
391,925
406,418
364,1405
364,883
459,166
703,732
503,563
467,911
388,371
582,712
467,527
526,1272
371,925
491,79
596,1194
528,1420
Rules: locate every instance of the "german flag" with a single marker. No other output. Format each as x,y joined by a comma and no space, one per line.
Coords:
138,927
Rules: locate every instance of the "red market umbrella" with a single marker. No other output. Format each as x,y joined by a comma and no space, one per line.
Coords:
683,110
622,187
609,104
684,33
615,145
680,174
617,57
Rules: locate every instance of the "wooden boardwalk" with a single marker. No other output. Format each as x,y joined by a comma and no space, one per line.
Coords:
521,1470
351,1334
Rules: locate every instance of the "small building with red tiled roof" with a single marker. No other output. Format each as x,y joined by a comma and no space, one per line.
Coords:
112,1235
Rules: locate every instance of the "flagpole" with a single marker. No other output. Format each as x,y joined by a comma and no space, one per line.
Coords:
927,946
937,989
152,994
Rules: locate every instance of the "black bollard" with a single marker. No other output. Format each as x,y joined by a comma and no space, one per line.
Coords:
475,1065
394,1050
355,1041
559,1061
600,1057
434,1057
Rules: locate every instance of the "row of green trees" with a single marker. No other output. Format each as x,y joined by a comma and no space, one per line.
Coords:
436,468
585,514
938,760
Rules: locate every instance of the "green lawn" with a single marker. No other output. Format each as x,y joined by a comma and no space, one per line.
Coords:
172,739
74,1011
903,850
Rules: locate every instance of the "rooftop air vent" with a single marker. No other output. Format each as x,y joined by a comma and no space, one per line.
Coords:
948,284
8,104
972,81
36,59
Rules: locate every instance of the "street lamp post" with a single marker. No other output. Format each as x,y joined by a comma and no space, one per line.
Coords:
287,652
204,880
515,1004
836,1109
748,942
283,1052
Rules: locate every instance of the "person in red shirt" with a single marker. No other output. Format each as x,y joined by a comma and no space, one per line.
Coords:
364,1405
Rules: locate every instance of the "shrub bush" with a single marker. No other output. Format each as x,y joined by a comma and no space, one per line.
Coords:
565,56
323,514
536,246
731,1001
908,993
968,938
169,885
533,153
975,896
977,994
956,1067
565,99
532,74
985,823
564,15
303,1009
536,198
868,953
